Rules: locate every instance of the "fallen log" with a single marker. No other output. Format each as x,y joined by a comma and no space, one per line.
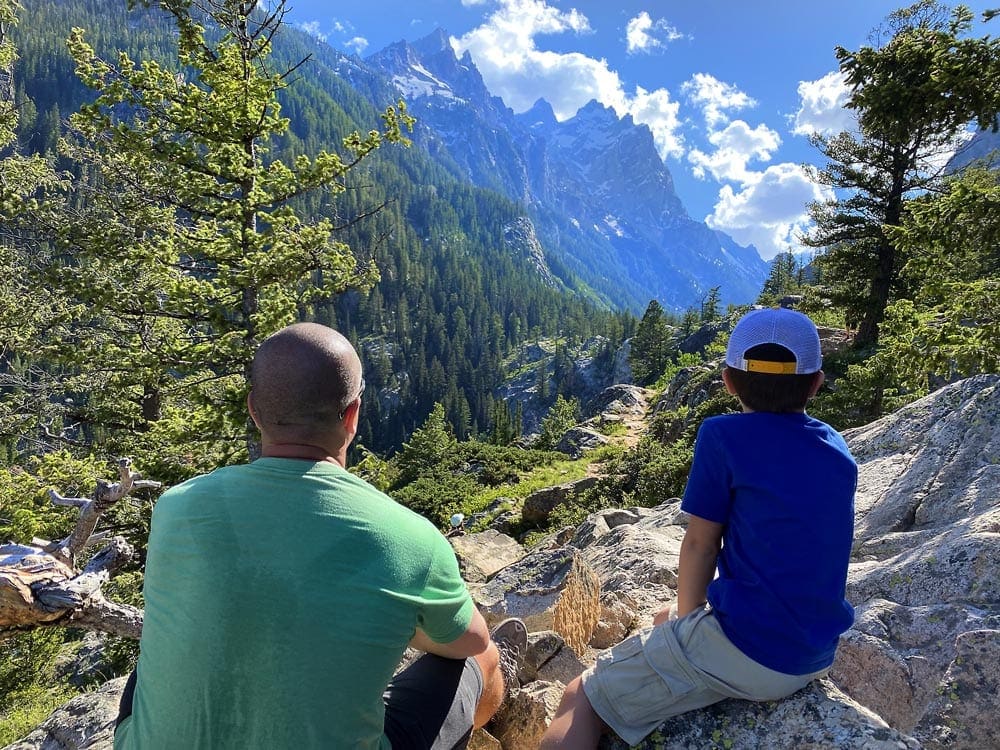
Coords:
40,584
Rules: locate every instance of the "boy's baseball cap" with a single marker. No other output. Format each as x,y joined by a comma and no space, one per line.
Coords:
787,328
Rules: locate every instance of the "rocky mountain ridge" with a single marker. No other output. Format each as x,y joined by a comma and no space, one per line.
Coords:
918,669
594,185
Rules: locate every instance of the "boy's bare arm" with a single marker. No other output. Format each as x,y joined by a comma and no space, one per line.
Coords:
696,568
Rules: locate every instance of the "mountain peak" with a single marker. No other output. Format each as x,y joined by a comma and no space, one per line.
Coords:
595,110
541,115
437,41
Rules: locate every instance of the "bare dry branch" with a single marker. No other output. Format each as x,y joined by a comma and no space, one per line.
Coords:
40,586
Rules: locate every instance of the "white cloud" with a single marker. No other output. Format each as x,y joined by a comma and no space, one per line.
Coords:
359,44
642,34
770,211
715,98
656,110
735,146
313,29
515,69
822,107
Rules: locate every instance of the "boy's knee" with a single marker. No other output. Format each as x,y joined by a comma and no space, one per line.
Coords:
574,696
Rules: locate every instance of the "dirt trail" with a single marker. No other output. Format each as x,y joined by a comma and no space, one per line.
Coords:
635,420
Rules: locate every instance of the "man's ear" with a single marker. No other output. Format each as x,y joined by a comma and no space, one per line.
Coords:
351,415
817,383
253,416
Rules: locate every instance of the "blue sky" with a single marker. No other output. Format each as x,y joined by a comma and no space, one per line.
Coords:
730,88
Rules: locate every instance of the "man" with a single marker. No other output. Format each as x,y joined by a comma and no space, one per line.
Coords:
280,595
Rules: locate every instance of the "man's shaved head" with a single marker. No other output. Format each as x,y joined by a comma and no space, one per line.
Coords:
303,378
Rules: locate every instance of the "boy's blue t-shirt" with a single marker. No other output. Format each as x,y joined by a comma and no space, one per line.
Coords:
783,487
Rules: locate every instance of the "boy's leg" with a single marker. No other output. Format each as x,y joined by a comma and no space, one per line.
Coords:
632,687
575,724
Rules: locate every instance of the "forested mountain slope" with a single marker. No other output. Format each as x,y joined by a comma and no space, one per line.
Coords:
463,279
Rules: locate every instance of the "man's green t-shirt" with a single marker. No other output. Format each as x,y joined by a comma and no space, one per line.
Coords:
280,596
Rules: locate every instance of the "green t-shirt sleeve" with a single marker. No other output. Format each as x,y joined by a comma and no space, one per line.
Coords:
446,606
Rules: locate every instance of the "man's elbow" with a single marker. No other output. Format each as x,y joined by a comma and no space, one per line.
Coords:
475,640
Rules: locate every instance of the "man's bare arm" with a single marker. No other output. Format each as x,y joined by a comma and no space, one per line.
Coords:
475,640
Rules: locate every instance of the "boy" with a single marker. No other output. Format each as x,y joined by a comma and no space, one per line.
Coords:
770,498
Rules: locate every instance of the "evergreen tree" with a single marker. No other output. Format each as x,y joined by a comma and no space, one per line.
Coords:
913,96
563,415
949,326
431,448
784,278
649,351
710,305
188,251
29,189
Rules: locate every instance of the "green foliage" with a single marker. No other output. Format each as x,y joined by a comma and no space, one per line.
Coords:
431,449
374,469
649,352
437,498
505,425
24,499
913,96
950,328
469,477
678,362
562,415
28,689
947,326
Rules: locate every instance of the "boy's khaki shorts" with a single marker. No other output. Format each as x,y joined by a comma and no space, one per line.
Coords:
676,667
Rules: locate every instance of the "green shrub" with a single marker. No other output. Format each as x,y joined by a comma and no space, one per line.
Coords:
28,688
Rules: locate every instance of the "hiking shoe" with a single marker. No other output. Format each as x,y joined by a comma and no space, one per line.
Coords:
511,639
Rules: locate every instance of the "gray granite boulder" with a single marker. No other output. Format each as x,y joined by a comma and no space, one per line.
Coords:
85,723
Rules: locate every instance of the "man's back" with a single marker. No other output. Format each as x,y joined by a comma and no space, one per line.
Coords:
279,599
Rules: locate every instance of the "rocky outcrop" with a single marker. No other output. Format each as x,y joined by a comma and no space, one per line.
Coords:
820,717
926,576
519,236
620,399
634,553
550,659
549,590
579,440
483,554
85,723
539,505
589,372
920,667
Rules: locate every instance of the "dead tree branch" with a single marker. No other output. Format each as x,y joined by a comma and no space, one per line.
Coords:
40,584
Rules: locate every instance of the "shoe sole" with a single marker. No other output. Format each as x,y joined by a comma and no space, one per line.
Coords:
513,631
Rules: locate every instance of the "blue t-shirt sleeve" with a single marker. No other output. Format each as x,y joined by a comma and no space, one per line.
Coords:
708,493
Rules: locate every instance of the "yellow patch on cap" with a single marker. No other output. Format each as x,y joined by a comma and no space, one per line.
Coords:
771,368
